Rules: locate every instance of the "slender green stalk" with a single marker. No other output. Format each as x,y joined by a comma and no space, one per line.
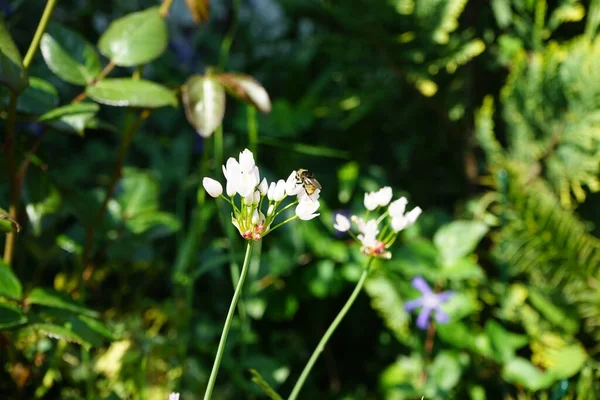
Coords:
280,224
329,332
228,40
232,306
35,42
252,129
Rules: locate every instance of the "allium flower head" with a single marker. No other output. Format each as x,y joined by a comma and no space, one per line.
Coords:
247,193
429,301
377,234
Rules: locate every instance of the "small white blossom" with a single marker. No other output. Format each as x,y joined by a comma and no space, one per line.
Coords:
370,201
369,231
400,222
212,187
174,396
380,198
342,223
305,210
270,210
397,207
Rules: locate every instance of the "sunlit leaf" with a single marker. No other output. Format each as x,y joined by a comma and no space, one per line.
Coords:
566,362
204,102
458,239
125,92
504,343
61,332
69,55
9,284
199,9
72,117
522,372
247,89
11,316
135,39
52,298
12,72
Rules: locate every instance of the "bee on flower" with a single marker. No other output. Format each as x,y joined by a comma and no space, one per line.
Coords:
246,193
378,233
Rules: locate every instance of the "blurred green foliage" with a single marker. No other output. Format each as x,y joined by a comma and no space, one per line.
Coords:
485,114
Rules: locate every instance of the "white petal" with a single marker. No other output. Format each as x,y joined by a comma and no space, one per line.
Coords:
255,217
397,207
292,187
370,201
212,187
305,210
384,196
256,199
342,223
248,200
412,216
398,223
271,191
174,396
247,160
270,210
279,191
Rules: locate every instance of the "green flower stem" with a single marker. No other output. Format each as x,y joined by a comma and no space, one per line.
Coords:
37,37
252,129
232,306
280,224
293,203
329,332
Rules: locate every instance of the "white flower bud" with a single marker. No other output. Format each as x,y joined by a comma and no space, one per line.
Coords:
255,217
370,201
271,191
270,210
212,187
397,207
279,192
263,187
342,223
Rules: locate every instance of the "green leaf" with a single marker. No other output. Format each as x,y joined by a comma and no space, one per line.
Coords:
126,92
247,89
159,223
522,372
460,336
445,370
69,55
204,103
269,391
504,343
12,72
458,239
39,97
9,284
462,269
566,362
61,332
97,326
72,117
11,316
55,299
139,193
7,224
135,39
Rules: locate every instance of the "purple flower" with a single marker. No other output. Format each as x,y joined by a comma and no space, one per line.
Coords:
430,301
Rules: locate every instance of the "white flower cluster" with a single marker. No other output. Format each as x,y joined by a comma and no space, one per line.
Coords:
374,241
243,179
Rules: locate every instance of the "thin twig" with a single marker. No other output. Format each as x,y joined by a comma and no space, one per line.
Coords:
107,69
9,244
